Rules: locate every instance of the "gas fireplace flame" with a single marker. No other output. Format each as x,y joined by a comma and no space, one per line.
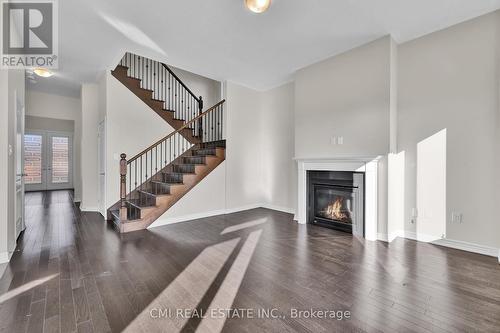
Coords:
336,211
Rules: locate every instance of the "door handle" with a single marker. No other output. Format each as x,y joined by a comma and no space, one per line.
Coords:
102,174
21,174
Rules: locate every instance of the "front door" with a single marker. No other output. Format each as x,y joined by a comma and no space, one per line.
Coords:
48,159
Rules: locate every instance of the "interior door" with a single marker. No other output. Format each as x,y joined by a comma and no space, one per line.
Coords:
59,161
48,158
101,146
34,161
19,181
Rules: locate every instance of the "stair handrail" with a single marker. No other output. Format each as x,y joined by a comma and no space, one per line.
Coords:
199,99
157,143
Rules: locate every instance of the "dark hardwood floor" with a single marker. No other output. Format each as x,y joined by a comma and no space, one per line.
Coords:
72,272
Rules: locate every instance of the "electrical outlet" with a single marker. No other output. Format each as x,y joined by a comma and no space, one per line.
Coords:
456,217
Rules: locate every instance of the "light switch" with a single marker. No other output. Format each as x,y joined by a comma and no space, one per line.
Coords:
340,140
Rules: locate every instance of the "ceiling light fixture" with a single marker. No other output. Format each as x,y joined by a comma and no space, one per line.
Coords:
43,72
258,6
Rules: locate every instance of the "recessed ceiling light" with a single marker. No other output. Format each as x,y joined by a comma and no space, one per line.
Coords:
258,6
43,72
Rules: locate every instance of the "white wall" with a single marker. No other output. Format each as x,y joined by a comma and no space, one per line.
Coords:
209,89
279,170
243,153
60,107
11,84
449,79
89,166
347,95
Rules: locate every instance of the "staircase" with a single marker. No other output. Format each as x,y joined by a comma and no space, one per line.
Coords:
155,179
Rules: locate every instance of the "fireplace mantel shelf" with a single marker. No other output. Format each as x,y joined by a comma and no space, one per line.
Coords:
339,158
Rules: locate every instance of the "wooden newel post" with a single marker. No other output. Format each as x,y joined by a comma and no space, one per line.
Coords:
200,121
123,179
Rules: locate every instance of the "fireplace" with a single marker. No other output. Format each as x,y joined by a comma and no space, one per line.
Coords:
336,200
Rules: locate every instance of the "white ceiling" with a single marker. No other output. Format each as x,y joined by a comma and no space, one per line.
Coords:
222,40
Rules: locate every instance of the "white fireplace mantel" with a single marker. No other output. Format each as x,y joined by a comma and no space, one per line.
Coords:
368,165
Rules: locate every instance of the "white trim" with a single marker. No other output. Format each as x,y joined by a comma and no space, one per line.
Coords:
89,209
368,165
5,257
382,237
469,247
185,218
279,208
454,244
173,220
241,208
420,237
395,234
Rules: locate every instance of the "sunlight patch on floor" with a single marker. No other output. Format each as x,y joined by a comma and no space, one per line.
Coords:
242,226
227,292
25,287
186,291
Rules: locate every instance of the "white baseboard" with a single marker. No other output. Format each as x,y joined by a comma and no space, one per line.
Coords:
172,220
241,208
279,208
5,257
420,237
89,209
469,247
455,244
395,234
382,237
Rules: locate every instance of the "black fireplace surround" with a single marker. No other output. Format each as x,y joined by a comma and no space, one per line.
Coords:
335,199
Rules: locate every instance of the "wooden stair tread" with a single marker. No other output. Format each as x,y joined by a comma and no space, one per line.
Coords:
135,203
154,194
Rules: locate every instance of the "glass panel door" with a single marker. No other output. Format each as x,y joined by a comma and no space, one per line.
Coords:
33,162
48,161
59,164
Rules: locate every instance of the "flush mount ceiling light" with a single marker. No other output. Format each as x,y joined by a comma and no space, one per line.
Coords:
43,72
258,6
